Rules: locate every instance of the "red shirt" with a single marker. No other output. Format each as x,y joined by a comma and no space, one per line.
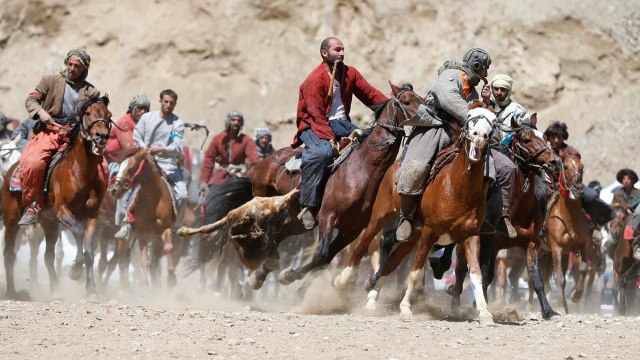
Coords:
315,99
120,139
223,151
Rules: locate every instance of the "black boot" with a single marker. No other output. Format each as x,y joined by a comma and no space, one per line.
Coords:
405,226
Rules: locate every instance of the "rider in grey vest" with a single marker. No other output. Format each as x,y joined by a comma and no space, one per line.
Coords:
447,104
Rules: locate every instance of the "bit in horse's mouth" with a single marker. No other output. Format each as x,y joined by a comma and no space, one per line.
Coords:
474,152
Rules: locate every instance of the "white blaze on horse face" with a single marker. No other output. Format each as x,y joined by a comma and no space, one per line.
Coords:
539,134
479,124
123,167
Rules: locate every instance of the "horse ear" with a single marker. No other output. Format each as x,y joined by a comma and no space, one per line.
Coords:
105,100
534,119
514,123
394,89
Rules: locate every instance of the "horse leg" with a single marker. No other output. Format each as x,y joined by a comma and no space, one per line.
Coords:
257,278
487,261
60,249
442,264
103,261
112,263
389,261
472,251
66,217
556,253
461,273
124,259
156,249
10,234
171,257
51,237
537,281
501,281
424,247
144,261
34,246
517,266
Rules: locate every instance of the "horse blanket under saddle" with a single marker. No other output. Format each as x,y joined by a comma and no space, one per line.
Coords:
15,184
345,148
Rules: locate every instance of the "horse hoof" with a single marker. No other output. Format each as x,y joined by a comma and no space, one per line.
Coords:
171,280
370,284
76,271
93,298
576,296
406,316
254,283
284,278
551,315
10,295
486,321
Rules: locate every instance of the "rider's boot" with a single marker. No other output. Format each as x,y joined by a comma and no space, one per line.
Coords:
405,226
511,231
30,216
306,216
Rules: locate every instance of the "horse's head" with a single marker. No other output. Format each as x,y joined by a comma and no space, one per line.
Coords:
477,131
571,176
130,171
531,150
407,106
95,122
9,154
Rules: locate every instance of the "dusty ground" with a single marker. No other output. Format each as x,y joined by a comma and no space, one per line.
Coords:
187,323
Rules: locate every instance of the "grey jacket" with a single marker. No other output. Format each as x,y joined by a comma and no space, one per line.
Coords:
152,130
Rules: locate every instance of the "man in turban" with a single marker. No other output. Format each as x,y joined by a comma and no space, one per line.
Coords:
58,96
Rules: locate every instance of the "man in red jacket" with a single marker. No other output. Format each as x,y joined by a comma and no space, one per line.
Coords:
323,118
230,153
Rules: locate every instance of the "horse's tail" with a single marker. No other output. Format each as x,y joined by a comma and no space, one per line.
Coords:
233,193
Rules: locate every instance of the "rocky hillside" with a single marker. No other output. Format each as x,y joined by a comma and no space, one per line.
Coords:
576,61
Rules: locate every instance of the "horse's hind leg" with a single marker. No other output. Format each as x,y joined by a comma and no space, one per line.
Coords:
157,249
173,255
124,259
556,253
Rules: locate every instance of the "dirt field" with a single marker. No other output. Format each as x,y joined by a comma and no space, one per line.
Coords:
185,323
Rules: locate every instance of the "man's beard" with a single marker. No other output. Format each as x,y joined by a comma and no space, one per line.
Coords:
331,60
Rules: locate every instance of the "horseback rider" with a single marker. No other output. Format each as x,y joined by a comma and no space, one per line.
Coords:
162,132
230,153
324,104
625,198
597,210
57,96
121,138
263,140
449,96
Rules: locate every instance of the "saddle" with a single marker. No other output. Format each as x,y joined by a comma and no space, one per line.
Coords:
15,183
345,146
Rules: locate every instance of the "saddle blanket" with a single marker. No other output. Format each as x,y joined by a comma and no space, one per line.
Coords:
14,183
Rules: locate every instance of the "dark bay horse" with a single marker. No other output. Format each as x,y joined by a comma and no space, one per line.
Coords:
348,197
155,215
533,156
568,227
73,199
625,271
452,210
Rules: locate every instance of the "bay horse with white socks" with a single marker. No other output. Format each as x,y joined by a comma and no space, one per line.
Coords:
348,197
75,190
452,210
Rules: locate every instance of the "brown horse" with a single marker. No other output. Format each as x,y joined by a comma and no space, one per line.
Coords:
452,210
155,215
625,271
73,199
350,190
568,227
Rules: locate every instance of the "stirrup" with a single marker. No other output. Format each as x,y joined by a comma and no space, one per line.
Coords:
401,236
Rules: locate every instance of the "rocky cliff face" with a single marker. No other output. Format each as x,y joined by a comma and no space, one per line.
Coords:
576,61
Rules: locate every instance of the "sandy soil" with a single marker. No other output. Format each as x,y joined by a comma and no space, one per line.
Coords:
324,324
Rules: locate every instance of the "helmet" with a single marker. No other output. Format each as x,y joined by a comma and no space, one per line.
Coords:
476,59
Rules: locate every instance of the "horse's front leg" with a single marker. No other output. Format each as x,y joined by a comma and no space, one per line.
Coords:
144,260
535,279
556,253
89,250
257,278
66,217
51,238
424,247
472,251
171,259
461,273
34,246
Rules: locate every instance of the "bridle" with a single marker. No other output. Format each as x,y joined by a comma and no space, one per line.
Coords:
524,157
465,135
393,128
128,182
563,180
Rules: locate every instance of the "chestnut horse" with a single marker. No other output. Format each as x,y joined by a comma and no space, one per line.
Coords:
533,156
452,210
73,199
568,227
350,190
625,271
155,215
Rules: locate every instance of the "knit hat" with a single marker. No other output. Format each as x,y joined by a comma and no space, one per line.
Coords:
260,132
230,114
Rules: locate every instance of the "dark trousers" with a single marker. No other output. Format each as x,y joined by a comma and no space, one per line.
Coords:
316,158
